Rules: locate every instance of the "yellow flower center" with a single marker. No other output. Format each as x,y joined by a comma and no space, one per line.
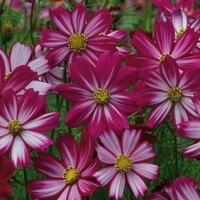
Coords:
123,163
6,76
15,127
7,27
181,32
162,58
71,175
77,42
101,96
174,94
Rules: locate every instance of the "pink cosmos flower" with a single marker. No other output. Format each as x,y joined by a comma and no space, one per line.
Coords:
21,55
169,91
164,44
190,129
69,178
77,34
182,188
17,80
186,5
126,161
6,171
99,94
22,123
54,75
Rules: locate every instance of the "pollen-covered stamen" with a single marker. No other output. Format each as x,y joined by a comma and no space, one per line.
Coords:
101,96
123,163
182,30
174,94
77,42
14,126
71,175
6,76
162,58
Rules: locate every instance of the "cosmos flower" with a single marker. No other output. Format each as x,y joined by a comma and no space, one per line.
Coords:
69,177
99,94
77,34
182,188
125,160
20,55
23,122
169,91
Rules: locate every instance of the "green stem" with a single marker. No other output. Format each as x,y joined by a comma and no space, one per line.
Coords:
175,156
1,32
31,24
25,182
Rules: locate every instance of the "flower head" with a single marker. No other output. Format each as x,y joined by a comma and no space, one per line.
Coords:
67,178
77,34
126,161
22,123
99,94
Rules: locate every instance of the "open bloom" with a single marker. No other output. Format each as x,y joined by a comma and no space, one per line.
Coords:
20,55
6,171
164,44
22,123
77,34
69,178
182,188
169,91
190,129
100,95
125,160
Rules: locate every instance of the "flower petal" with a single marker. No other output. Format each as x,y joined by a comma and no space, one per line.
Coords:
86,187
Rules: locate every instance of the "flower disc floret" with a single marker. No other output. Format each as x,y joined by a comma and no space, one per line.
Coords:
77,42
101,96
162,57
71,175
123,163
14,126
174,94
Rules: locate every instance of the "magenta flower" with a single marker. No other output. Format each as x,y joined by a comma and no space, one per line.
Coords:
125,160
169,92
182,188
22,123
20,55
69,178
190,129
99,94
163,44
6,171
17,80
77,34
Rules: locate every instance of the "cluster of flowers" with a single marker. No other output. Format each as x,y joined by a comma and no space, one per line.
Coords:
106,84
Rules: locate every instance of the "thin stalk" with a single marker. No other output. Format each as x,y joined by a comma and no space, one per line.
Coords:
25,182
175,156
1,32
31,24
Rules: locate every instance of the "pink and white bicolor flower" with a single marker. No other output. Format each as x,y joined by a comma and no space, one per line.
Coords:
125,160
190,129
100,94
69,177
23,121
182,188
20,55
77,34
169,91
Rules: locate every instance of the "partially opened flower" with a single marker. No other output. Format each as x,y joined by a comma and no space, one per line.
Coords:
125,161
101,95
23,122
77,34
6,171
182,188
69,178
